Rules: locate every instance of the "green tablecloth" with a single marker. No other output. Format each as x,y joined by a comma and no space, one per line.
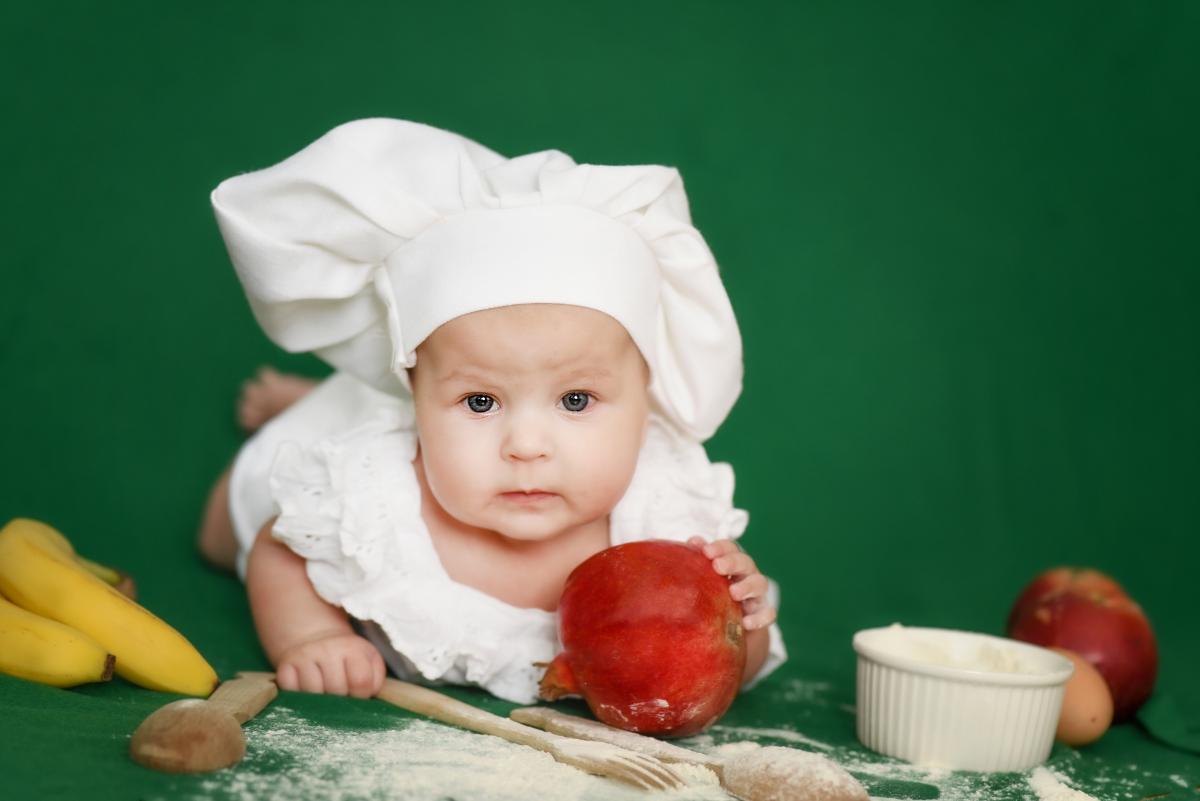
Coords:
960,239
69,742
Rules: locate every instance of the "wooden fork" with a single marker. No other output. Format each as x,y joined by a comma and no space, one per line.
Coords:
601,759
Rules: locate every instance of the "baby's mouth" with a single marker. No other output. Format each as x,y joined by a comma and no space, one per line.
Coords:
527,498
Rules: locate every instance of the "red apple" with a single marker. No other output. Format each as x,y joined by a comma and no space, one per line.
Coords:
1083,580
1112,633
651,639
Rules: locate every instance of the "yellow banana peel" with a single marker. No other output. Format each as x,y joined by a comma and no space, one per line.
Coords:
54,539
40,572
123,582
38,649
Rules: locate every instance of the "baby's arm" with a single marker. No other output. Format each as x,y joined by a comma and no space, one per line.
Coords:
748,586
310,643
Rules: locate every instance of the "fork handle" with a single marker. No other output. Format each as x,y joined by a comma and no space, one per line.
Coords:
552,720
433,704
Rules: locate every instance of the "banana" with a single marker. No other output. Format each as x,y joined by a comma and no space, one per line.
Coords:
40,572
54,540
38,649
109,575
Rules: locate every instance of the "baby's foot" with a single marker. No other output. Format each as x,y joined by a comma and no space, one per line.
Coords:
268,394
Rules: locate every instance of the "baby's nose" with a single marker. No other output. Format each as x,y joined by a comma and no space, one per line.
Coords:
527,439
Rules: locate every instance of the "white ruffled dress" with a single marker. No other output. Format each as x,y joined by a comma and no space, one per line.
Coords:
336,469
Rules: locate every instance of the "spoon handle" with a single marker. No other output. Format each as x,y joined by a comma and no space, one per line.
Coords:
552,720
433,704
246,695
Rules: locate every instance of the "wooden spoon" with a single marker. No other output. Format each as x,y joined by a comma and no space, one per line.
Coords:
763,774
197,736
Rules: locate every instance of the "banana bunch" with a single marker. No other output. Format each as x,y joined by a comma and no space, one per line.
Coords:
41,573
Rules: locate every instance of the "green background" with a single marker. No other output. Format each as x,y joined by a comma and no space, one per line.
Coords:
962,240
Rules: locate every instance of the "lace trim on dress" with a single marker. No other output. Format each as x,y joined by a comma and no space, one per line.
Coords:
350,505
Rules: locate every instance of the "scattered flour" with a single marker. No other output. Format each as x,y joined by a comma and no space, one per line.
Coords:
890,778
290,757
810,692
787,735
1050,788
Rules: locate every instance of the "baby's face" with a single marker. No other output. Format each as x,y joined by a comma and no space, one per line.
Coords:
530,417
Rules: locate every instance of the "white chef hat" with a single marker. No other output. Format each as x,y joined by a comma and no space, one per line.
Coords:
359,246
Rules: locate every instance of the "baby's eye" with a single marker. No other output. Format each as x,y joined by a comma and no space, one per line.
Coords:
480,404
575,401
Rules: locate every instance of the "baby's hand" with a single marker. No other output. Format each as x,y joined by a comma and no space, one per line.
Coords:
747,585
338,664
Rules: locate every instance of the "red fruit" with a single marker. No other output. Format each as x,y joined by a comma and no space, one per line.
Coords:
651,639
1083,580
1111,633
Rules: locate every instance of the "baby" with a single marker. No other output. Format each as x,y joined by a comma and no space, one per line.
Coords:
529,354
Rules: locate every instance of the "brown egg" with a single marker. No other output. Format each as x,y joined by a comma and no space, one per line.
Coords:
1087,708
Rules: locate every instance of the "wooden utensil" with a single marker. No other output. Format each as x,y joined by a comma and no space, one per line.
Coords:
599,758
196,736
786,774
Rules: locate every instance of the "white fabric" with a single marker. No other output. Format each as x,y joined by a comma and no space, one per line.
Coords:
364,242
336,468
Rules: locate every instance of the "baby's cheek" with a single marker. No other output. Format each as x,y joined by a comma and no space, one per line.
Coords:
453,484
605,477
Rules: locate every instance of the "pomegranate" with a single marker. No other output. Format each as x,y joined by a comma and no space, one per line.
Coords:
651,639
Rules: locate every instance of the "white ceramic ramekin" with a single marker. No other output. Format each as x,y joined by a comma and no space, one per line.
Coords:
958,699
